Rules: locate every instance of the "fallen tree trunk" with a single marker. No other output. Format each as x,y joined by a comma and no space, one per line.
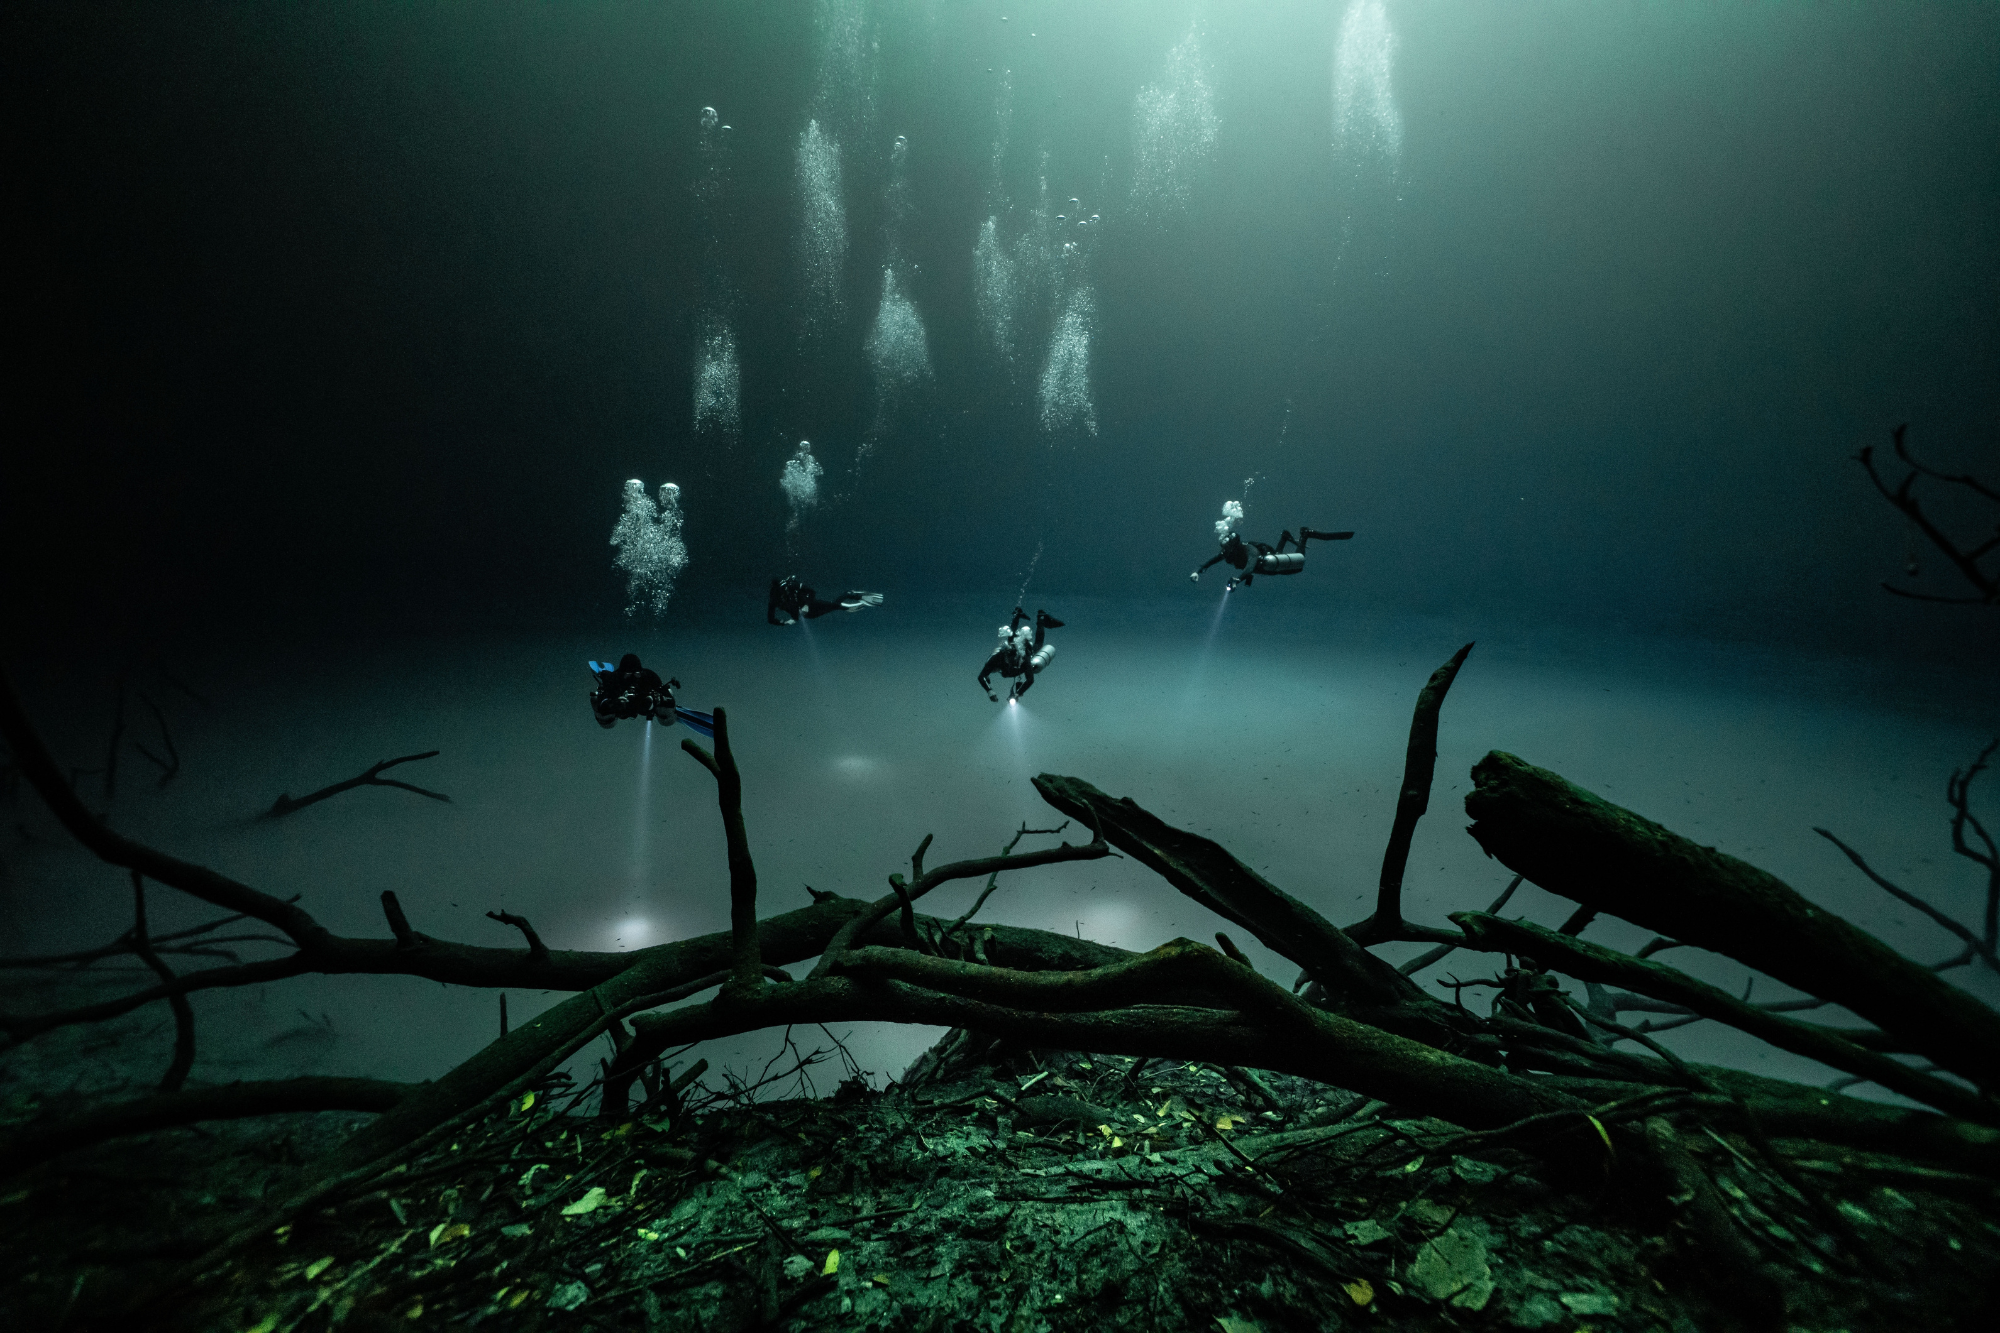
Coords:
1580,846
1592,962
227,1101
1356,982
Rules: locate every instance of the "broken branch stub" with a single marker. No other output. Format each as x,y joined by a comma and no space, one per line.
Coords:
1576,844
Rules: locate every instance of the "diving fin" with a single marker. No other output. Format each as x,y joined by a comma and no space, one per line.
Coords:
701,722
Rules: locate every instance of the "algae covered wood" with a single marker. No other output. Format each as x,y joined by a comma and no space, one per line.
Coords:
1581,846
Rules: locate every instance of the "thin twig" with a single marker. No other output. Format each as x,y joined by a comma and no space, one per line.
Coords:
285,805
183,1060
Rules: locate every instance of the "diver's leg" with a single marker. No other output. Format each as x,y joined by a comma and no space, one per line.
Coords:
1043,620
1026,681
1286,537
1313,533
815,608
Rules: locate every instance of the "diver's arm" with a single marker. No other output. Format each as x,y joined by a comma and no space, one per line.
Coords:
1212,560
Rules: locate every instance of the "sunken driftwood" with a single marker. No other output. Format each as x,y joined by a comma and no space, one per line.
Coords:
1364,1026
1604,857
371,777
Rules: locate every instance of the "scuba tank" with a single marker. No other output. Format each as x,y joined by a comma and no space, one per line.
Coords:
1043,656
1289,563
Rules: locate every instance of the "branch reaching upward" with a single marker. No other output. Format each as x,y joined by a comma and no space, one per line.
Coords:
1967,559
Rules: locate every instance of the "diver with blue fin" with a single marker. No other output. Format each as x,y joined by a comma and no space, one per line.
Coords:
791,596
631,690
1021,656
1254,558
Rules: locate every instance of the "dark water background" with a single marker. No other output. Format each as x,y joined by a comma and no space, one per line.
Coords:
340,328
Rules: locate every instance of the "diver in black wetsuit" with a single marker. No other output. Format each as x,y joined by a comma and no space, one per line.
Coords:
630,690
1254,558
792,596
1020,655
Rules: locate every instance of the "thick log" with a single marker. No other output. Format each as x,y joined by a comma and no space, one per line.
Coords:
1276,1031
36,1142
1356,982
1583,847
1593,962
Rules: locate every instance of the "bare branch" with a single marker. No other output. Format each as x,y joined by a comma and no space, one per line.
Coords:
177,1000
1413,798
536,949
742,870
993,880
1583,847
1905,500
399,925
285,805
1584,960
1355,981
1902,895
37,1141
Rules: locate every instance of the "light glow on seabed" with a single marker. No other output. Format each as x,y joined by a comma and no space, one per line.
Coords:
635,932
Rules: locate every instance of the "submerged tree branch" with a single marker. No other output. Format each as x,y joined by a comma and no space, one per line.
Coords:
177,1000
1413,798
1583,847
285,804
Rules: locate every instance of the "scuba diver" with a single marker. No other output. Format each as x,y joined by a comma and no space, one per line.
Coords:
1020,654
792,596
1254,558
631,690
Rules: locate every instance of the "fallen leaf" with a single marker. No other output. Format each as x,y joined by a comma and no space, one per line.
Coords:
1585,1303
520,1298
1452,1267
415,1311
264,1325
880,1279
445,1232
528,1176
1231,1325
816,1173
832,1264
527,1101
1229,1122
589,1203
1360,1291
1602,1133
318,1266
1366,1232
1117,1142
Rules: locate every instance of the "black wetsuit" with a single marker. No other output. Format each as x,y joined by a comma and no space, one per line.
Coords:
1251,557
632,691
1012,662
790,596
